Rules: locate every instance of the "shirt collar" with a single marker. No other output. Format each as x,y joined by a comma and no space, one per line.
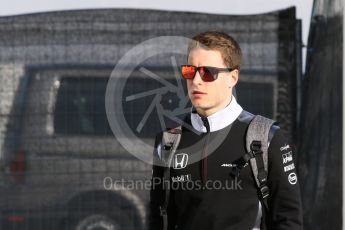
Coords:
218,120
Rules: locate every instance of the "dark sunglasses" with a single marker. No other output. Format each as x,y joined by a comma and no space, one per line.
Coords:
207,73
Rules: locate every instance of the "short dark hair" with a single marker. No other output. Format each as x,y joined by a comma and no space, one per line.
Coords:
222,42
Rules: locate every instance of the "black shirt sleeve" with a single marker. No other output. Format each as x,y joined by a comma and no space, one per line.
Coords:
285,200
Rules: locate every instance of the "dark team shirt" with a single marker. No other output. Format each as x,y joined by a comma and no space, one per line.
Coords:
209,194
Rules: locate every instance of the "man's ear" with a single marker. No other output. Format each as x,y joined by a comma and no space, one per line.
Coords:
233,78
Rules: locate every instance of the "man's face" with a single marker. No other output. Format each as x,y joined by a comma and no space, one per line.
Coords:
210,97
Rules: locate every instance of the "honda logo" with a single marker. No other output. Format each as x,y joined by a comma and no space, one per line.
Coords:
180,161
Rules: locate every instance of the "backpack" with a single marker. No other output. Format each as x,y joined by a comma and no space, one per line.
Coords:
259,133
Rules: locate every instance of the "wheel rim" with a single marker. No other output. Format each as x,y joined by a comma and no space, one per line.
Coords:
97,222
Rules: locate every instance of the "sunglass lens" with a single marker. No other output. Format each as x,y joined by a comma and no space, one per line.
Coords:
188,72
207,74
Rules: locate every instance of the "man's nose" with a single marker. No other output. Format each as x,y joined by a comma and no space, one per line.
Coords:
197,78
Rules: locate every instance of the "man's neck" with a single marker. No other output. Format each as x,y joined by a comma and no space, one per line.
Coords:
218,120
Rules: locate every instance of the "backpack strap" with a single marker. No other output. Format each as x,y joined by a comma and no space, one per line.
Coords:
257,141
170,142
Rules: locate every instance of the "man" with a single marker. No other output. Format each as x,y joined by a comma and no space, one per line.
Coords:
214,60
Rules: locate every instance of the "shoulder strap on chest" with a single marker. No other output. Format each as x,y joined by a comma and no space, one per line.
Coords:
257,141
170,141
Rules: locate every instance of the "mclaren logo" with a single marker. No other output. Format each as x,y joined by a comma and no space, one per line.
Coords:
233,165
180,161
228,165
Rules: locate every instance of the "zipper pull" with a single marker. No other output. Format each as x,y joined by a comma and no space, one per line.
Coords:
206,124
